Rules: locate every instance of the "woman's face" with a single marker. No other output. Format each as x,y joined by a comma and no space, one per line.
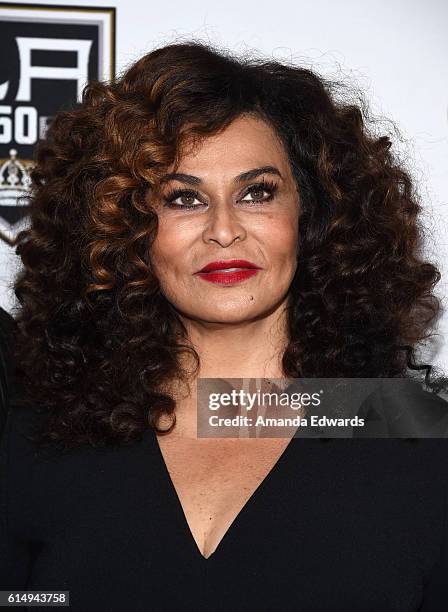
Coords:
216,216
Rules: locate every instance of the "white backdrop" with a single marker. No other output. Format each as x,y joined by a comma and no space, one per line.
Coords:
396,51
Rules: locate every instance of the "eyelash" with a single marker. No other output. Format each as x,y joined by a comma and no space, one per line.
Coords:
265,185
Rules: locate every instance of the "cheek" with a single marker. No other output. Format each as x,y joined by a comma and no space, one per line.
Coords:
167,248
281,241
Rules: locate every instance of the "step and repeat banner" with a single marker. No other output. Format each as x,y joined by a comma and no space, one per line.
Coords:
48,54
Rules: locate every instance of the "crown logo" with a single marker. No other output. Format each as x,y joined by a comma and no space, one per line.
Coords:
15,183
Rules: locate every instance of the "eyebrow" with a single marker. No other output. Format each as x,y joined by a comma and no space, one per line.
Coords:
244,176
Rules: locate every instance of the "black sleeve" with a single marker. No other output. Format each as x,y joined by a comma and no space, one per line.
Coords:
14,549
403,408
435,594
6,367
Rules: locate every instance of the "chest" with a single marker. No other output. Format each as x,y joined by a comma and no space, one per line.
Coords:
214,480
336,527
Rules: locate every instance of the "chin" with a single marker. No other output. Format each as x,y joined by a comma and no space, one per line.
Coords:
239,315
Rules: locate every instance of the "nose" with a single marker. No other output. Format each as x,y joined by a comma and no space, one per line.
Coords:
223,226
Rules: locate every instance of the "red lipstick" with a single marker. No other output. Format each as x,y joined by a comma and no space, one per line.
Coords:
228,272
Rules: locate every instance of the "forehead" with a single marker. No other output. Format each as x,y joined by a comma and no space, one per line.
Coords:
246,142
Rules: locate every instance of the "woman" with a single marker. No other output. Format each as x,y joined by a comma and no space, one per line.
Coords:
193,163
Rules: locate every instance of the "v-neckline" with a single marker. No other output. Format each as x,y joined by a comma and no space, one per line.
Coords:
257,493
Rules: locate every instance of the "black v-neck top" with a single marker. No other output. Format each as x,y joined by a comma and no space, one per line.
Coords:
355,525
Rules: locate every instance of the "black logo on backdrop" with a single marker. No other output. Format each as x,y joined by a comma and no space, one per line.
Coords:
48,55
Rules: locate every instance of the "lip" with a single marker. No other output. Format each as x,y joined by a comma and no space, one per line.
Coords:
228,263
228,278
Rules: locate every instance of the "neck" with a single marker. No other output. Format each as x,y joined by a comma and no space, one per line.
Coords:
249,349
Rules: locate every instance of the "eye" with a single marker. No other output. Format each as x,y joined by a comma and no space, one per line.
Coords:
258,188
187,195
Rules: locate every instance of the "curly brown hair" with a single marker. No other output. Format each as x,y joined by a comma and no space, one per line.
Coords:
96,338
